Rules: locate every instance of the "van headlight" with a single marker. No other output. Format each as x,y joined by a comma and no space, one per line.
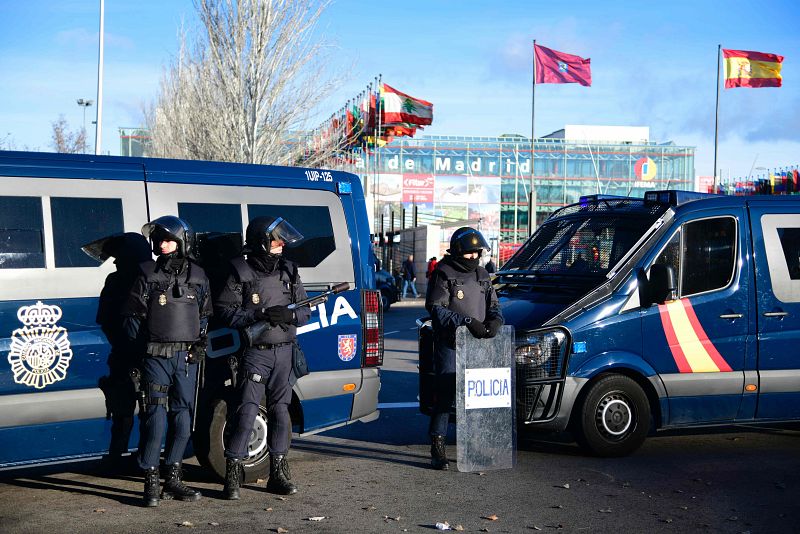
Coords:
543,350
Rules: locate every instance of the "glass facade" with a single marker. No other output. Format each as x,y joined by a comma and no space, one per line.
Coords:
133,141
485,181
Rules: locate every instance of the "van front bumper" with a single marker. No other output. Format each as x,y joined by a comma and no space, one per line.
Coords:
547,405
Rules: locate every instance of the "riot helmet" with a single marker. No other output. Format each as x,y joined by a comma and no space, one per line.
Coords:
467,239
262,230
170,228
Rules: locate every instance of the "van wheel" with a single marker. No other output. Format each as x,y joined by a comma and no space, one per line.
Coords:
256,465
615,417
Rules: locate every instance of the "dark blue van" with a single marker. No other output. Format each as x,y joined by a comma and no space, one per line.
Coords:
674,310
52,352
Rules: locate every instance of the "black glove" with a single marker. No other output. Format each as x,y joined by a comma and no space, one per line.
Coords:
476,328
280,315
197,351
261,314
492,326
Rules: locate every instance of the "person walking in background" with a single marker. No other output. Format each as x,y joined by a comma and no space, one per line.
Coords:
431,266
409,276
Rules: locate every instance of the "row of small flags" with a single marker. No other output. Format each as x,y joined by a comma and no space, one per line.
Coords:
743,68
371,119
783,182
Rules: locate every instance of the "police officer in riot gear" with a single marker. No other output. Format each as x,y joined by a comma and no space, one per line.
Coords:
169,306
459,293
256,299
128,250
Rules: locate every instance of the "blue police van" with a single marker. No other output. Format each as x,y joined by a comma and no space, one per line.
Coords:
678,309
53,353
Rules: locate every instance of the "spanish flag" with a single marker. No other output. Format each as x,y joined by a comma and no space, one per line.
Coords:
744,68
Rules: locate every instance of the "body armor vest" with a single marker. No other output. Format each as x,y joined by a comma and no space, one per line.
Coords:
264,290
169,318
468,291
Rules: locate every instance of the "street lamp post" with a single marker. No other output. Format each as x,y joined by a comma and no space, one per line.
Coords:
84,103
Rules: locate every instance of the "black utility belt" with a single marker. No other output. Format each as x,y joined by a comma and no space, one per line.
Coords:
270,346
167,350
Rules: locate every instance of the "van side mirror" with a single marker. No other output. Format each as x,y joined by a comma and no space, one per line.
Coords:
661,286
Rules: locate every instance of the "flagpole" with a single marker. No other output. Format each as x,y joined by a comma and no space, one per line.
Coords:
377,144
532,193
716,119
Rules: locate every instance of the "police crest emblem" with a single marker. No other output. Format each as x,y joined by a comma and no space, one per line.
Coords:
347,347
162,299
460,294
40,350
255,298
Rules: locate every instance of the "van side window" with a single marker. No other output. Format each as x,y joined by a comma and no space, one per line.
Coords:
77,221
314,222
709,255
671,255
781,234
219,236
205,218
790,243
702,254
21,233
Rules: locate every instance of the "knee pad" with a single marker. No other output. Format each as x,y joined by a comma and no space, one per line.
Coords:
155,400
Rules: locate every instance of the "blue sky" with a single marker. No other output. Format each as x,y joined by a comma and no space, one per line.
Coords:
653,64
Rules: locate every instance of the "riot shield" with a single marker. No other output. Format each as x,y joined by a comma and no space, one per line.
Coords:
486,429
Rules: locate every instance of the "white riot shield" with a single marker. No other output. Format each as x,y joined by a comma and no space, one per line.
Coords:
486,436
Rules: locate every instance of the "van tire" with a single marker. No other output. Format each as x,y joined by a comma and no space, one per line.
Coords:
614,417
255,467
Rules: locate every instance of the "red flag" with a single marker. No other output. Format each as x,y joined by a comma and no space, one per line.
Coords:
553,66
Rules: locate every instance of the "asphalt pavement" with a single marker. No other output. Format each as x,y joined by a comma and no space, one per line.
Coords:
375,477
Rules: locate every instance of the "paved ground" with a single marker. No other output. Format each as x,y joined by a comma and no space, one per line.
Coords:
375,478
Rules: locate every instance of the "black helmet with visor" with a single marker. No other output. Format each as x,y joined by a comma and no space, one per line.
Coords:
263,230
170,228
465,240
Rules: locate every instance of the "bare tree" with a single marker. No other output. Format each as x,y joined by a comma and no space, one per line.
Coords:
7,142
66,141
247,82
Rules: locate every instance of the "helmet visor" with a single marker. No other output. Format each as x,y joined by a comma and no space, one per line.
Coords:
481,243
282,230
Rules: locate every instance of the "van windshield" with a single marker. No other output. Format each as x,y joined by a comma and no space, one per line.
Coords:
584,240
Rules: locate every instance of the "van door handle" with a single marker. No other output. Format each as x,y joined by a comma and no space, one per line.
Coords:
776,314
731,316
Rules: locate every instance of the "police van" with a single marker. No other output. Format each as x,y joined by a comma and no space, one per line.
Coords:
678,309
53,353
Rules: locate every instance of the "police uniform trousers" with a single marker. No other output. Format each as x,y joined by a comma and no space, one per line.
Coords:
265,368
168,382
444,365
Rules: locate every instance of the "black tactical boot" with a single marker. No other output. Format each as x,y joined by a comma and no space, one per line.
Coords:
174,488
439,454
233,478
279,476
150,496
